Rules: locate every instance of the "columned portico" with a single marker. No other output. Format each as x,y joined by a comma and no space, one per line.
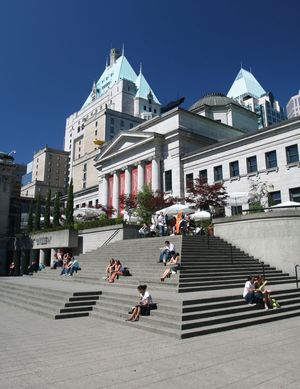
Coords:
141,175
127,180
155,174
115,198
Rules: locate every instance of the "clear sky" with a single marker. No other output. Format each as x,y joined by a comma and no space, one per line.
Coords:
52,50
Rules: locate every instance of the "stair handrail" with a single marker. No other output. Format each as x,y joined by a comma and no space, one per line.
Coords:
296,274
109,239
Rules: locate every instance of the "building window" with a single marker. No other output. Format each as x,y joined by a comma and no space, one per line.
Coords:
77,206
96,202
150,109
271,159
234,169
154,110
90,203
218,173
168,180
130,125
96,124
112,121
84,167
84,185
203,175
83,205
295,194
145,108
96,132
292,154
84,176
251,164
78,129
122,123
274,198
189,181
236,210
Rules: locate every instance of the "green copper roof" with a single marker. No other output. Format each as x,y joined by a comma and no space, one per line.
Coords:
121,69
245,83
143,89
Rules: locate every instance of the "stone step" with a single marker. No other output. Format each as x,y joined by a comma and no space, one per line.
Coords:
269,316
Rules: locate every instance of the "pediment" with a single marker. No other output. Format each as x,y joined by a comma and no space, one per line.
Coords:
124,142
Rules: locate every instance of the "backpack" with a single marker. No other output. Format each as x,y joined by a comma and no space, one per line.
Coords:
275,304
126,272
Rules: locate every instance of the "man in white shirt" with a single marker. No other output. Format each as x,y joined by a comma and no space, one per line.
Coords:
166,252
249,290
161,224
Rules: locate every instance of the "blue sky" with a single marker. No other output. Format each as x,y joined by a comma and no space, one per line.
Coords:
52,50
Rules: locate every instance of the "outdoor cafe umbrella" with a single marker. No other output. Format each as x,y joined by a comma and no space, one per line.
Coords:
174,209
287,204
201,215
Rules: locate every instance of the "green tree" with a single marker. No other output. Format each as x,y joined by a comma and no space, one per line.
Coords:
47,210
56,211
30,217
70,206
204,195
37,219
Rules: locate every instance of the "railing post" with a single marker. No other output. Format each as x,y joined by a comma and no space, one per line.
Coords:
296,273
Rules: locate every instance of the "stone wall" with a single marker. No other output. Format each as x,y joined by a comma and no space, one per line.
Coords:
272,237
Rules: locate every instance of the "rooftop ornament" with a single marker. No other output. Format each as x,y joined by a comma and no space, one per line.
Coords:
98,142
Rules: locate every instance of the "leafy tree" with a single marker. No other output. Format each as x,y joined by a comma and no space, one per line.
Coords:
56,211
204,195
37,219
30,217
148,202
260,193
70,206
47,210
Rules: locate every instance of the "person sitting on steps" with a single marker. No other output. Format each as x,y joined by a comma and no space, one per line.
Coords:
110,268
261,293
248,293
166,252
173,266
117,271
143,306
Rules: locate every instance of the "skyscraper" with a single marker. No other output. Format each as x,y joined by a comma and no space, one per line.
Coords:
249,93
293,106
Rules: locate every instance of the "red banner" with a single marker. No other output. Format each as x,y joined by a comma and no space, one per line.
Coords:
134,180
122,188
148,174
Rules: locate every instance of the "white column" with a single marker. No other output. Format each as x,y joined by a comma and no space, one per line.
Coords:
104,191
127,189
115,201
42,256
141,176
155,174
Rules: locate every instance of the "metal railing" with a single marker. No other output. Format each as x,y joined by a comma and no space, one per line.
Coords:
296,275
108,240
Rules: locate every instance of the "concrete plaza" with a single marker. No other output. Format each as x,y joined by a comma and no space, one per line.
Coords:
85,353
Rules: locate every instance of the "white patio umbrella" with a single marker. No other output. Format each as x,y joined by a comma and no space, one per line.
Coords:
238,198
287,204
201,215
174,209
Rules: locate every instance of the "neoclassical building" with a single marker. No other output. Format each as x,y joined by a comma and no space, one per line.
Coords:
152,153
170,151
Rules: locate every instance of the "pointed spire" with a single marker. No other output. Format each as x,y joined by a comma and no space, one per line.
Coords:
141,67
241,64
123,49
106,63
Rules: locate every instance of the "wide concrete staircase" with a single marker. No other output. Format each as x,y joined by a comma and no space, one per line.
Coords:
139,255
205,297
47,301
